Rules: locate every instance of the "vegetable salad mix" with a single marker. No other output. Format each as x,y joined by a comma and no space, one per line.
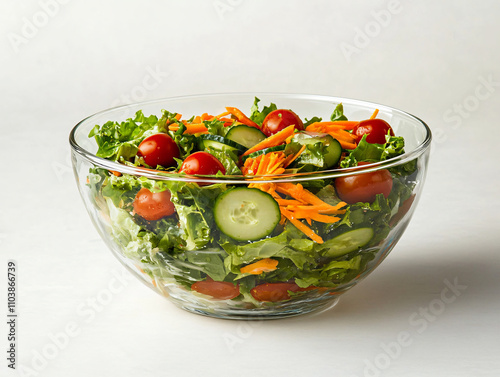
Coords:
265,240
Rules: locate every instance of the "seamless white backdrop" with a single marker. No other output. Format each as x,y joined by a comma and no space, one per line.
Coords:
81,314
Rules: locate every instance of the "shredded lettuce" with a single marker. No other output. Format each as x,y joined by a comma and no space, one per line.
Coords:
338,113
228,158
257,115
119,141
372,152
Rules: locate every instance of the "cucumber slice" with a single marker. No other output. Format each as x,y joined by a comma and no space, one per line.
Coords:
278,148
245,135
333,147
348,242
246,214
219,143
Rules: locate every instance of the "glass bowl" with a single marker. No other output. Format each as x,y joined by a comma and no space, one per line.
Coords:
175,258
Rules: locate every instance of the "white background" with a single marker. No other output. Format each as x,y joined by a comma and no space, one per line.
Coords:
439,60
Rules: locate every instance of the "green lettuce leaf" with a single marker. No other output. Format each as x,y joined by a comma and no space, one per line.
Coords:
216,127
228,158
258,116
311,121
372,152
209,261
338,113
119,141
187,143
193,205
311,159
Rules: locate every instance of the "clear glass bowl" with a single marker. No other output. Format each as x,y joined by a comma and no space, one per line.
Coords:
171,273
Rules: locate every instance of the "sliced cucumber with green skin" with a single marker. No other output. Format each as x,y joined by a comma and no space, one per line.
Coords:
348,242
245,135
333,147
246,214
220,143
278,148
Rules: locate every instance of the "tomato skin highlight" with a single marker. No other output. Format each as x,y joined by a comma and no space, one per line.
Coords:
273,292
278,120
153,206
364,187
159,149
374,129
220,290
202,163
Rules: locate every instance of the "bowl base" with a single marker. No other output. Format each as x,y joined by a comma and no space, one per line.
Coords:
260,314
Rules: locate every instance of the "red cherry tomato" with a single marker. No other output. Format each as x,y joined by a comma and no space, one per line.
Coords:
364,187
273,292
159,149
277,120
220,290
153,206
202,163
375,130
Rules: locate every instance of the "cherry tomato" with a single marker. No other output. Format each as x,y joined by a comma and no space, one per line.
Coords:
277,120
153,206
220,290
364,187
273,292
159,149
202,163
375,130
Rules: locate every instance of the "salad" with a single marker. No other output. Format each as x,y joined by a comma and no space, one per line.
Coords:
261,239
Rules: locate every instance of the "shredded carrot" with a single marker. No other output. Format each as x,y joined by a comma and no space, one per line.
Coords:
116,173
298,192
346,139
191,128
301,226
178,116
226,113
338,124
197,119
292,158
264,161
264,265
289,202
323,209
273,140
313,215
242,118
348,124
289,139
374,115
205,116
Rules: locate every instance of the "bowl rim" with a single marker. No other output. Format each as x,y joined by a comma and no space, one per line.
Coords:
238,179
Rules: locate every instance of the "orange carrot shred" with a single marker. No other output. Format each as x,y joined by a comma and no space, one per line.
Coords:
374,115
273,140
242,117
257,268
290,202
291,159
301,226
223,114
191,128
